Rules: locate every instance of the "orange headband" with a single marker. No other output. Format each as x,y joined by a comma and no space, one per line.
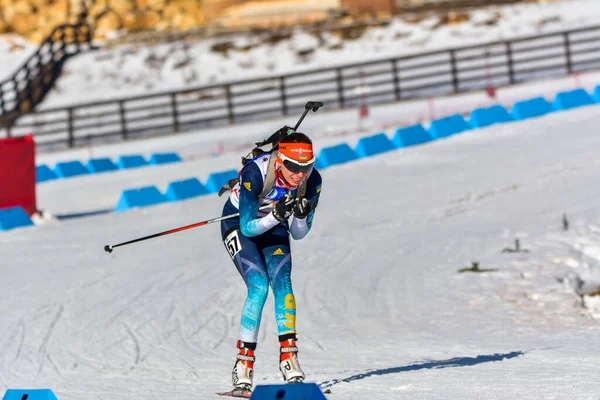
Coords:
301,152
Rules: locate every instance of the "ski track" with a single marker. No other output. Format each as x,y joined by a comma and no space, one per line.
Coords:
381,308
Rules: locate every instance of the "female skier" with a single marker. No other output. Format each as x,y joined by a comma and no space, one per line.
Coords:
258,242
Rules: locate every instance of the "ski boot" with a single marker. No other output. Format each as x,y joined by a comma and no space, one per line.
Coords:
288,359
243,370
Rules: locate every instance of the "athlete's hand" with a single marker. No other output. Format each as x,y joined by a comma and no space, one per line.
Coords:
283,208
301,208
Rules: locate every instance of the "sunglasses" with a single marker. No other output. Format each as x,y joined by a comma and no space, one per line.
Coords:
297,166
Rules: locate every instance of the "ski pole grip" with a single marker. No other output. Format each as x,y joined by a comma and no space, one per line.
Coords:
108,248
313,105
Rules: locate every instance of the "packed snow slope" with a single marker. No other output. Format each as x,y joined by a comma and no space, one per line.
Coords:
382,310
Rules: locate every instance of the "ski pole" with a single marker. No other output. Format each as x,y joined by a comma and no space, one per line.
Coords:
273,139
311,105
109,248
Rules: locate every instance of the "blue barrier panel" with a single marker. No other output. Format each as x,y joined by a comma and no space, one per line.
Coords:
142,197
451,125
43,173
338,154
14,217
185,189
68,169
572,99
216,180
97,165
483,117
410,136
596,94
319,165
29,394
132,161
531,108
371,145
304,391
164,158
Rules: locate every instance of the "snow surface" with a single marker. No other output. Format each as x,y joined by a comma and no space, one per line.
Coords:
132,70
382,310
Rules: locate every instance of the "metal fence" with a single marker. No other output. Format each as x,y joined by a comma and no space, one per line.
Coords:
382,81
27,87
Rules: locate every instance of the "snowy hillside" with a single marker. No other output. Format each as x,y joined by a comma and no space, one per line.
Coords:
130,70
382,310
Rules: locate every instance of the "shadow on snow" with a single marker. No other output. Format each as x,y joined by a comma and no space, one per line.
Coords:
450,363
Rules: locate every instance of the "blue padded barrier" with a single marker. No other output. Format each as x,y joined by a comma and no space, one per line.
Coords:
14,217
43,173
596,94
29,394
304,391
185,189
572,99
410,136
164,158
375,144
131,161
338,154
68,169
447,126
483,117
531,108
142,197
319,165
97,165
216,180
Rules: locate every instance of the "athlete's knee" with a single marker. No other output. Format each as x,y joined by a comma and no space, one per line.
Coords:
258,290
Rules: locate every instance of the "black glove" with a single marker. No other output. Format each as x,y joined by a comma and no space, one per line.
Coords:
283,208
301,208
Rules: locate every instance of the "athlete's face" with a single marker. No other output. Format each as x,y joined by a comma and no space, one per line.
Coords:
294,179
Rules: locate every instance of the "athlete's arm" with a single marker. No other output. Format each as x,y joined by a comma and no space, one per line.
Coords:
299,227
251,185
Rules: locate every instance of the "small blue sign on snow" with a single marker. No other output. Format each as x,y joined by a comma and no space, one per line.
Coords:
29,394
304,391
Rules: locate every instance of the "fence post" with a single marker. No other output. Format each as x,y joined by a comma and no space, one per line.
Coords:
568,53
284,108
454,70
70,127
510,61
174,112
230,115
340,88
122,119
396,80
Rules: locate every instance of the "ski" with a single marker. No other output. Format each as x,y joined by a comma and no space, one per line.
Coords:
237,392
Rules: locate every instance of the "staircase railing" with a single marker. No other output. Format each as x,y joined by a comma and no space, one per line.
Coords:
29,85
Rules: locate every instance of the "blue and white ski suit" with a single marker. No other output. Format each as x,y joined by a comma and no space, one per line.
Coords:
260,246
